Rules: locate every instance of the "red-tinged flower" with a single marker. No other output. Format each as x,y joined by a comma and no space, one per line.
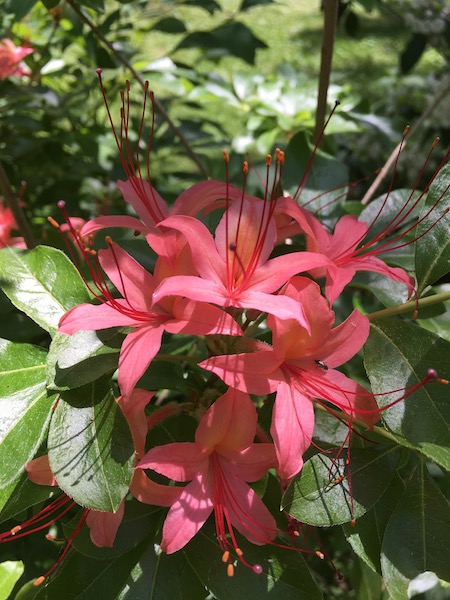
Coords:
136,309
234,269
300,367
218,465
7,224
10,57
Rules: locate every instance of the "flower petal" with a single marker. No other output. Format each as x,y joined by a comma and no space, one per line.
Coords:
180,461
112,221
200,318
252,463
147,491
86,317
104,525
39,471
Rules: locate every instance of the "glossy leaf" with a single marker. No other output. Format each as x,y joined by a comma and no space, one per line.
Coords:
323,495
433,248
10,573
43,283
366,536
416,537
90,448
83,578
74,360
166,577
25,407
285,574
397,355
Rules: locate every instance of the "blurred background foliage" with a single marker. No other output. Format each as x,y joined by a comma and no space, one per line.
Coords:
235,74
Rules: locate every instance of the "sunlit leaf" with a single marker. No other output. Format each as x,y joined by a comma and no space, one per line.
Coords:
90,447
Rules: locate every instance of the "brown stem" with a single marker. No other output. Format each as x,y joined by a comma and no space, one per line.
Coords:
417,125
159,107
329,33
12,201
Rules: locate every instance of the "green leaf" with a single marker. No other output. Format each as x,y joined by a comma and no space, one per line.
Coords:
322,494
416,537
285,573
327,175
10,573
43,283
20,495
19,8
412,52
83,578
246,4
50,3
210,6
433,248
397,355
90,447
366,536
166,577
170,25
74,360
385,211
25,408
366,583
232,38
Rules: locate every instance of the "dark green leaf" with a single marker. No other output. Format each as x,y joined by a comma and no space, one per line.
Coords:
19,8
433,248
416,537
285,574
209,5
90,447
83,578
327,175
140,521
231,38
397,355
322,495
386,212
43,283
170,25
366,536
246,4
367,584
166,577
413,51
82,357
20,495
25,407
50,3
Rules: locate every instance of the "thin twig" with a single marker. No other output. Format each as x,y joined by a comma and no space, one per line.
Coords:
409,307
329,32
13,202
417,125
159,107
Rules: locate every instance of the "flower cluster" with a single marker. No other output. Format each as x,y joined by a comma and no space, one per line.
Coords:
268,326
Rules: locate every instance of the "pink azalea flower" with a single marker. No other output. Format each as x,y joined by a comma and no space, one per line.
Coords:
218,465
10,57
7,224
234,269
136,309
346,254
300,367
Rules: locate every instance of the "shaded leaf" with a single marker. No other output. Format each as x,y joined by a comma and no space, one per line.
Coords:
416,537
246,4
25,407
232,38
209,5
413,51
74,360
19,8
19,495
170,25
285,574
43,283
90,448
433,248
322,494
366,536
397,355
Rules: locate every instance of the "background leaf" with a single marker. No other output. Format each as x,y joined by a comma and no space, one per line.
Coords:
416,537
397,355
43,283
90,447
10,573
25,407
433,248
322,495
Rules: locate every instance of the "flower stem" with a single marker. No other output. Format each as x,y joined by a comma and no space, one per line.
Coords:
409,307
